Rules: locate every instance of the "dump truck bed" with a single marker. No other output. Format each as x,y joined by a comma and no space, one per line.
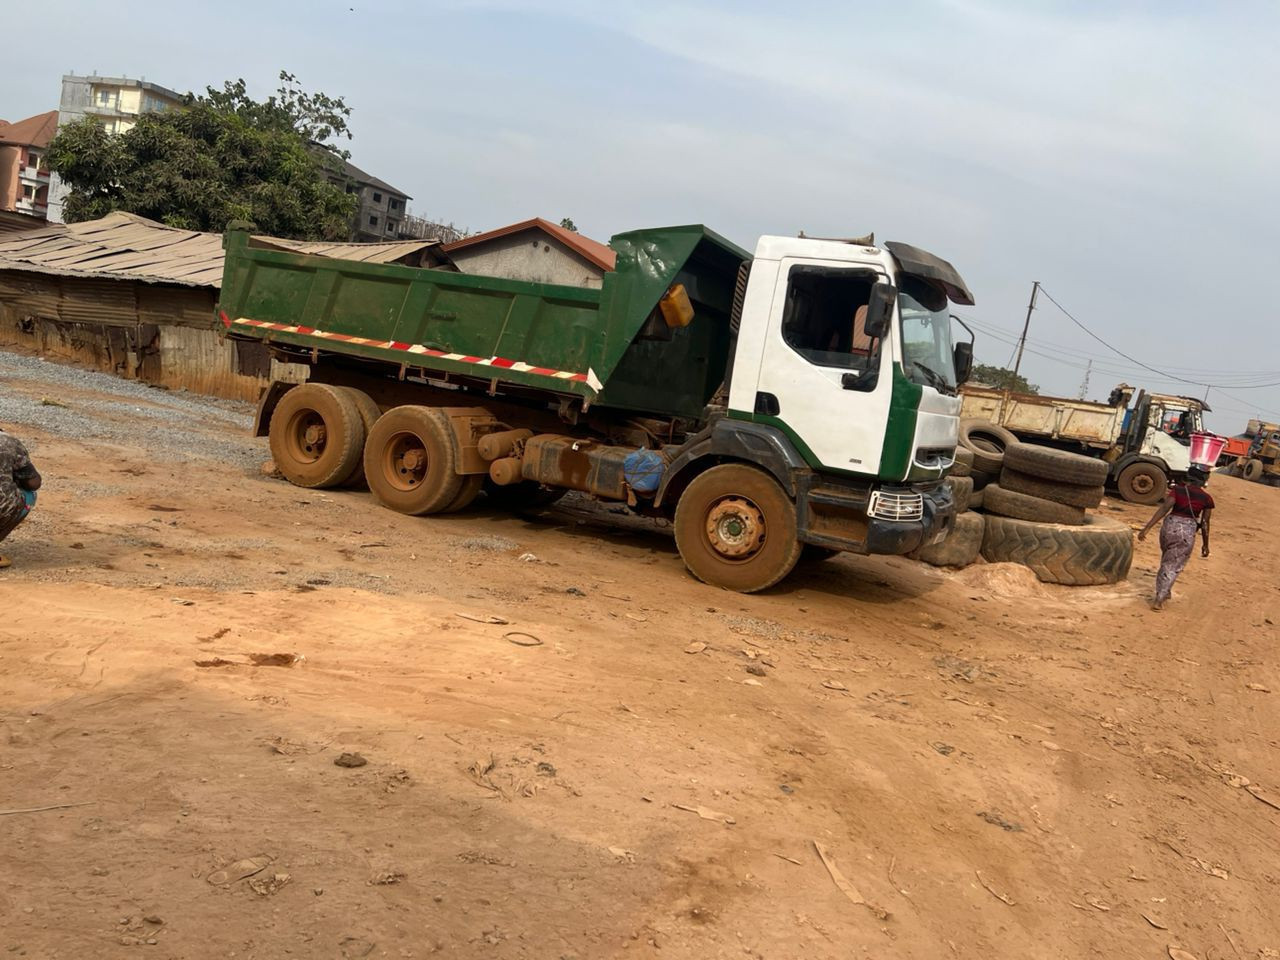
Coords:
602,346
1052,418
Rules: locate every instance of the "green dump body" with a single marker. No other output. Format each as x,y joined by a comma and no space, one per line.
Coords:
567,340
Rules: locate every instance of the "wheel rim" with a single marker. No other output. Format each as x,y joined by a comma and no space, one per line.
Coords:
404,462
735,528
307,436
1142,483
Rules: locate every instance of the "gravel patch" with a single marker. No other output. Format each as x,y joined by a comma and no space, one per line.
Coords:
173,426
490,544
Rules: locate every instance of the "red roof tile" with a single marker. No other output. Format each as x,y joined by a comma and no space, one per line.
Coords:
34,131
591,250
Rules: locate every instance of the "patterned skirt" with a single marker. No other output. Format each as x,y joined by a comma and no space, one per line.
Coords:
1177,539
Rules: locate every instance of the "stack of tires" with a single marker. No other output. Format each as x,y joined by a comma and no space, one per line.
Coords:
1036,501
963,543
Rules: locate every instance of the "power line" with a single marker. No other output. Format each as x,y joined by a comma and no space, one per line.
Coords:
1147,366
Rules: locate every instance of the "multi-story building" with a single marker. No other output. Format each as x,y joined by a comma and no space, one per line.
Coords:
383,208
24,174
116,101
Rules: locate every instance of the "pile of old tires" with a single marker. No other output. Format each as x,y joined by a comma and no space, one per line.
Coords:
1031,505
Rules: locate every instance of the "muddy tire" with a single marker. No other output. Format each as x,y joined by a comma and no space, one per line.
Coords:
369,414
1008,503
736,528
1253,470
964,462
409,461
1072,494
977,499
1142,482
316,436
987,442
961,491
1100,551
1058,466
961,548
472,484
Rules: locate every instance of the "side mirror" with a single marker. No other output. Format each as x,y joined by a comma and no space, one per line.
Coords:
962,357
880,309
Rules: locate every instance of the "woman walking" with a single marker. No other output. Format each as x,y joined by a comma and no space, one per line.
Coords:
1185,510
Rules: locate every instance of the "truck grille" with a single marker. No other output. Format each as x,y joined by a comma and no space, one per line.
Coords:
902,505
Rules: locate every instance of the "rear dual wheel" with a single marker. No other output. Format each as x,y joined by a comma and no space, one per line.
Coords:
736,528
410,465
316,435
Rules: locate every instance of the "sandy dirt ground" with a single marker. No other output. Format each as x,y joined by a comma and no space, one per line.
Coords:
994,767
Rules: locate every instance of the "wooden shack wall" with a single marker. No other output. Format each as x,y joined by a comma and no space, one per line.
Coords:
161,334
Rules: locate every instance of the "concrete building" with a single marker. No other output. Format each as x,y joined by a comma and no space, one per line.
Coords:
383,208
116,101
536,250
24,174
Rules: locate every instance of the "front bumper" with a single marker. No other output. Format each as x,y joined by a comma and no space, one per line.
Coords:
902,536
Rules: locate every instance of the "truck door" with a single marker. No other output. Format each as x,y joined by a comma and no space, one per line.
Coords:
821,378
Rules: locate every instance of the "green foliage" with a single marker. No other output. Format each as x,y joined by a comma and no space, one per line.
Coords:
222,157
1002,379
569,225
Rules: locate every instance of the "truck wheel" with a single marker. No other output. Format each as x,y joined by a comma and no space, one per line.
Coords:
1009,503
472,484
1060,466
987,442
736,528
409,461
369,414
1252,470
1100,551
316,436
961,548
1072,494
1142,482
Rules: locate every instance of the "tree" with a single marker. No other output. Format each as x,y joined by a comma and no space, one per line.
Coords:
222,157
1001,378
569,225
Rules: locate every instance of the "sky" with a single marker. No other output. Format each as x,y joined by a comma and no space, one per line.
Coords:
1124,154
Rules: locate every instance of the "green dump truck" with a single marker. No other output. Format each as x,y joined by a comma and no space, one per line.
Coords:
802,396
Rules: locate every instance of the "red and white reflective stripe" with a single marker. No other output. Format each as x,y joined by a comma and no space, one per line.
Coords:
502,363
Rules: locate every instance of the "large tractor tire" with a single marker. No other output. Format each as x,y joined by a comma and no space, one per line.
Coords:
736,528
1059,466
369,414
1253,470
316,436
1072,494
964,462
1100,551
959,549
410,464
1142,482
961,492
1008,503
987,442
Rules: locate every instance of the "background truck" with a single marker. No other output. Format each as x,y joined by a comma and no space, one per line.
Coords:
1255,454
1147,444
806,395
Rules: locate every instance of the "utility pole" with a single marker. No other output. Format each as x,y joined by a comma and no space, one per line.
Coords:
1084,384
1022,341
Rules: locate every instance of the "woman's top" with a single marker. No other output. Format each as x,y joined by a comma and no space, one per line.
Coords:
1190,501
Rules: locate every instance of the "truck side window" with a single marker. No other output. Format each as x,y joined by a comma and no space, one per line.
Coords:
824,319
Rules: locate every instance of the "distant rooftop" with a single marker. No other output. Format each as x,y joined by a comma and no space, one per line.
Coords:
591,250
126,82
359,176
34,131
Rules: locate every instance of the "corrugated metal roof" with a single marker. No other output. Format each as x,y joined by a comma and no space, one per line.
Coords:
123,246
592,250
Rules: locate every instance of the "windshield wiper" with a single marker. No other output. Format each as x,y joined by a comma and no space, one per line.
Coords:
936,380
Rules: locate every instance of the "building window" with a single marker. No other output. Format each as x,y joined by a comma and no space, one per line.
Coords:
377,198
106,98
391,226
28,191
395,204
33,158
373,221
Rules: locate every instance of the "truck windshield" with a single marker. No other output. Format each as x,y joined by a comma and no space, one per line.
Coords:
926,335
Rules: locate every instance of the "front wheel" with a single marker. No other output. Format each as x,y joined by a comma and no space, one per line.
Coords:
736,528
1142,483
